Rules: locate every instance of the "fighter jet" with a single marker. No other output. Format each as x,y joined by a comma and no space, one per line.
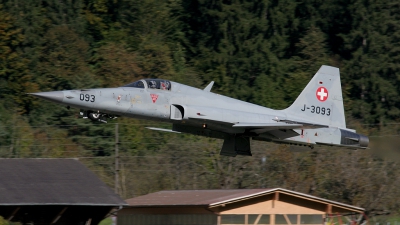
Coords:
315,118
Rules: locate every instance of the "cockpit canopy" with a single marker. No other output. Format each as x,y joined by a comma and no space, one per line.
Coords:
151,84
136,84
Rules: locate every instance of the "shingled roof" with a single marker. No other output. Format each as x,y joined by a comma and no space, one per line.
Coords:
218,197
52,182
190,197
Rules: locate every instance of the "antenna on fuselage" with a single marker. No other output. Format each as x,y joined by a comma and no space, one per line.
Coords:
209,86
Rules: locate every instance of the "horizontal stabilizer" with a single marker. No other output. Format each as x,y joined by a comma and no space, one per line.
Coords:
162,129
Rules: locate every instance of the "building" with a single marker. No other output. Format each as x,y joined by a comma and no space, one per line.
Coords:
230,207
53,191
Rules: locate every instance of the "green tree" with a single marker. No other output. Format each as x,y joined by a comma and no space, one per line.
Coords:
243,46
154,32
115,65
64,61
14,75
312,54
3,221
372,68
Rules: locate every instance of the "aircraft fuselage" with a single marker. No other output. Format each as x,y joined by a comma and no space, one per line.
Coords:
316,117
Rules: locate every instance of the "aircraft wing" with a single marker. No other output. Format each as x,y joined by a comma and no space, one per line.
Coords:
307,125
162,129
270,126
258,128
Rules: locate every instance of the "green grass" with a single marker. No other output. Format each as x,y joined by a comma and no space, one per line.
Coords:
106,221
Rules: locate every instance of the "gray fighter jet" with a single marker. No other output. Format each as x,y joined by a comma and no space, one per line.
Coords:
315,118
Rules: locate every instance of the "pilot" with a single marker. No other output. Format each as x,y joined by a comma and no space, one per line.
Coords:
152,84
167,85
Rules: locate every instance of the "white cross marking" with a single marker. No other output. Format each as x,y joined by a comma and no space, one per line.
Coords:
322,94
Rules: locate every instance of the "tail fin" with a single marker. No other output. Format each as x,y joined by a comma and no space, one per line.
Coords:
321,100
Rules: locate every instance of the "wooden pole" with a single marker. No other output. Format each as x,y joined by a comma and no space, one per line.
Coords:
116,160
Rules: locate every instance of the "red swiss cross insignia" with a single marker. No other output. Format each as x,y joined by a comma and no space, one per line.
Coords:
322,94
154,97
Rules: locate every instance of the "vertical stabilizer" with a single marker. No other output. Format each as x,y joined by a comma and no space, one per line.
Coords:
321,100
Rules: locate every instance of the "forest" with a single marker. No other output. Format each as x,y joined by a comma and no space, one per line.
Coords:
260,51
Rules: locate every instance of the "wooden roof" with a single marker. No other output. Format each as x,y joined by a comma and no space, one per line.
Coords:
215,198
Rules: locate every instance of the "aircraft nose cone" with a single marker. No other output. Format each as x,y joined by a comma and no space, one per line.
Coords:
54,96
